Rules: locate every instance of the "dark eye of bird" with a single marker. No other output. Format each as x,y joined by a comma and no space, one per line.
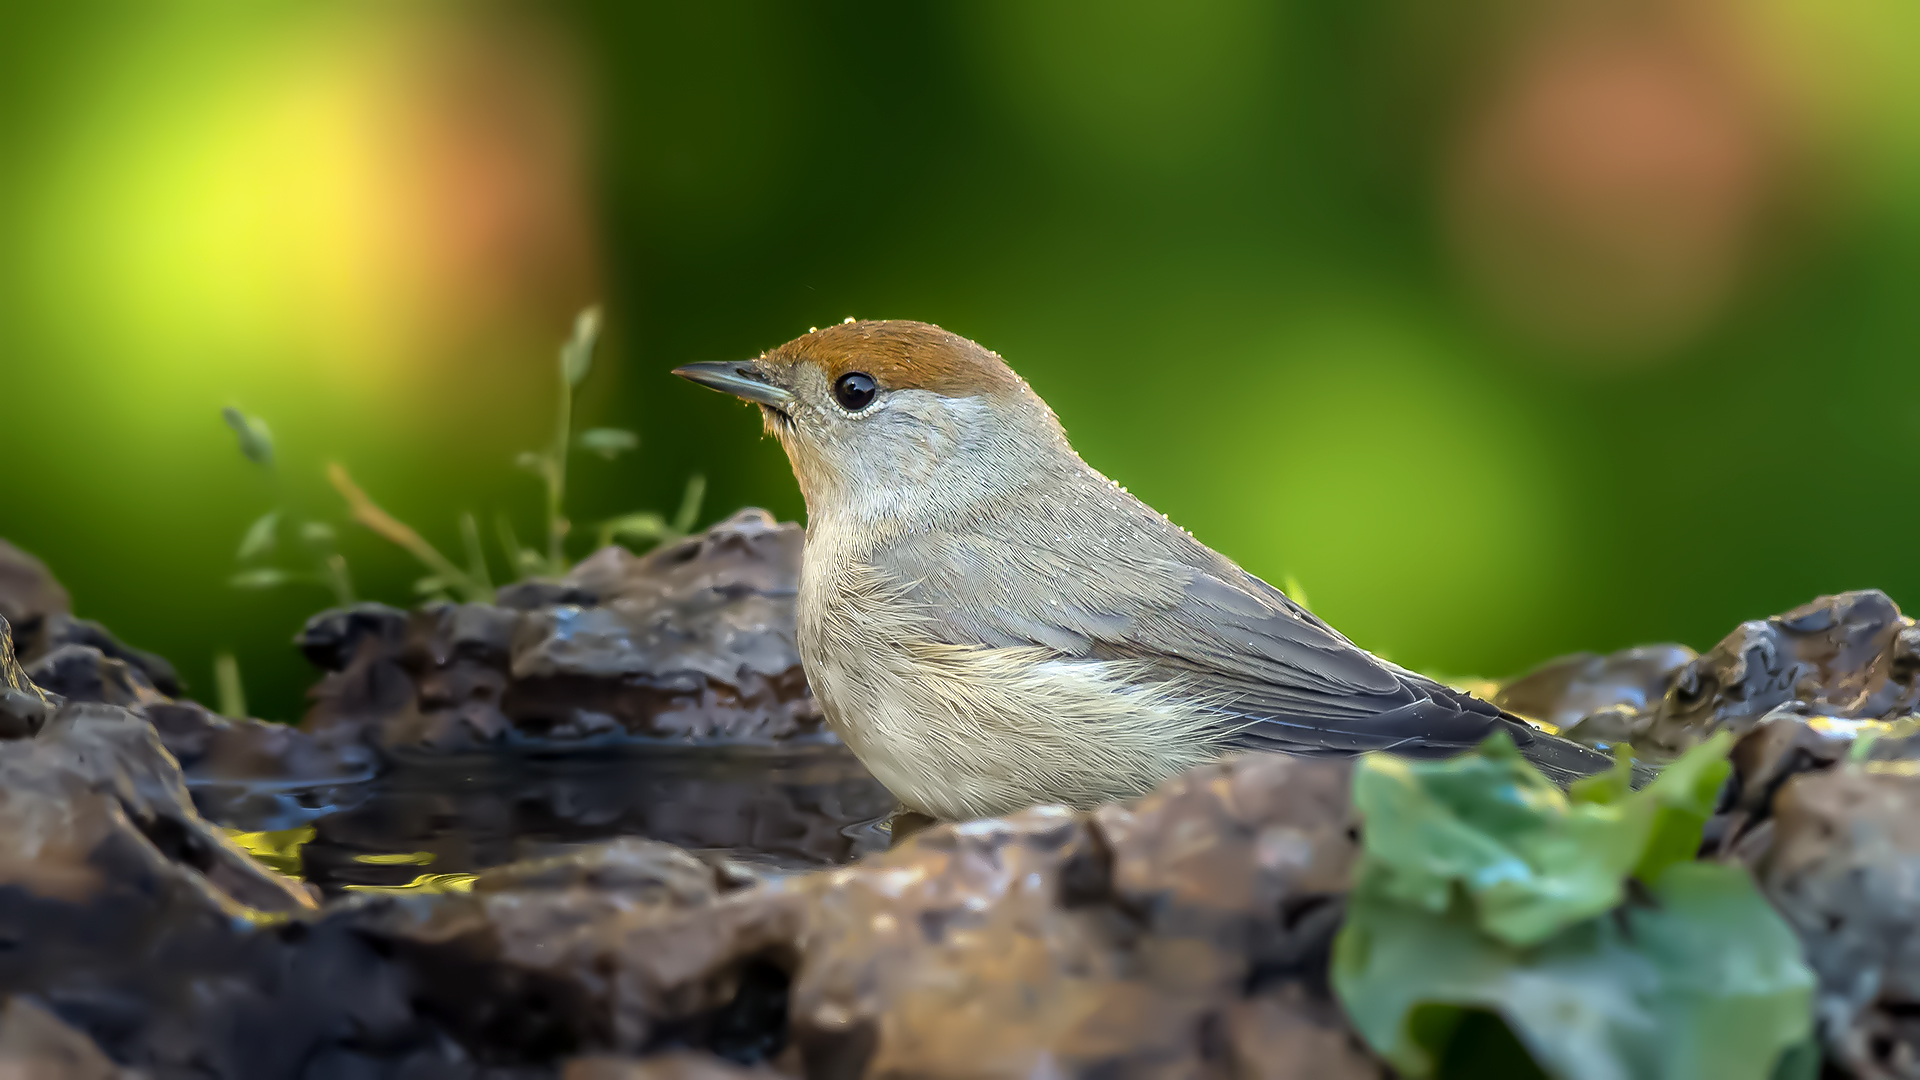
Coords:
855,390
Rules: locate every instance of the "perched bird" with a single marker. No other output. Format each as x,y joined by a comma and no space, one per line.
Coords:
990,623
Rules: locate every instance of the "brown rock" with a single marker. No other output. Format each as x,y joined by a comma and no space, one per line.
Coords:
35,1045
28,591
1844,869
24,707
692,642
674,1066
1851,656
1184,935
1130,939
1564,691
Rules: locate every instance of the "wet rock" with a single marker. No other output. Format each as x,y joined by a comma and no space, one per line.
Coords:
141,927
35,1045
1159,937
93,805
1564,691
24,707
84,673
1843,867
28,591
1186,934
58,632
693,642
679,1065
1852,656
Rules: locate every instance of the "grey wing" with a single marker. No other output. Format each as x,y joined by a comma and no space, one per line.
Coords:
1279,678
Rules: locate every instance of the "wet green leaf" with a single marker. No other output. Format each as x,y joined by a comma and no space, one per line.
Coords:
317,533
609,443
1482,888
1682,798
1706,983
1529,859
260,535
263,578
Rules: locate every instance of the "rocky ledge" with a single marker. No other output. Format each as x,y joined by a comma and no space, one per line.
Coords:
692,643
1193,932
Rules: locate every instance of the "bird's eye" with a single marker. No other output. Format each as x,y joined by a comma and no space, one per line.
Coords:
855,390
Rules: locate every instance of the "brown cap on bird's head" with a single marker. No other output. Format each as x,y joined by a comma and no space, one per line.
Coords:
900,355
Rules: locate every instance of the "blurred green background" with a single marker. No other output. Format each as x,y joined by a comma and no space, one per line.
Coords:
1507,329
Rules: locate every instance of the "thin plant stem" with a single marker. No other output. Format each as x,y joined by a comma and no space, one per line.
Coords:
557,524
227,686
476,559
335,571
368,513
689,513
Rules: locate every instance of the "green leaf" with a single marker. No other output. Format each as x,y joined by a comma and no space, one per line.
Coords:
1530,860
531,461
609,443
1610,787
430,584
256,442
1683,797
645,527
1708,983
1295,591
260,536
263,578
576,356
317,533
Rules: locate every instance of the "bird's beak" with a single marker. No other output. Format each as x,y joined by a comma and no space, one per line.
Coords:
741,378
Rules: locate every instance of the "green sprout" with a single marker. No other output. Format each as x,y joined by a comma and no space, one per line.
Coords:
316,539
231,695
550,464
446,578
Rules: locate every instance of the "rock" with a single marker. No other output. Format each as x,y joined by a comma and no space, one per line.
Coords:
1127,939
93,804
679,1065
24,707
1564,691
59,633
1852,656
138,925
1186,931
1843,867
693,642
35,1045
84,673
1184,934
28,591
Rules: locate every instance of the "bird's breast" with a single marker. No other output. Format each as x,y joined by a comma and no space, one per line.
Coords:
959,730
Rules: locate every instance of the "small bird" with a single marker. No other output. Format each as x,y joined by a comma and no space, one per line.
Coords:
990,623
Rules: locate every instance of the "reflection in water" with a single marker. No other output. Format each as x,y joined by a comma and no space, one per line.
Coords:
792,808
